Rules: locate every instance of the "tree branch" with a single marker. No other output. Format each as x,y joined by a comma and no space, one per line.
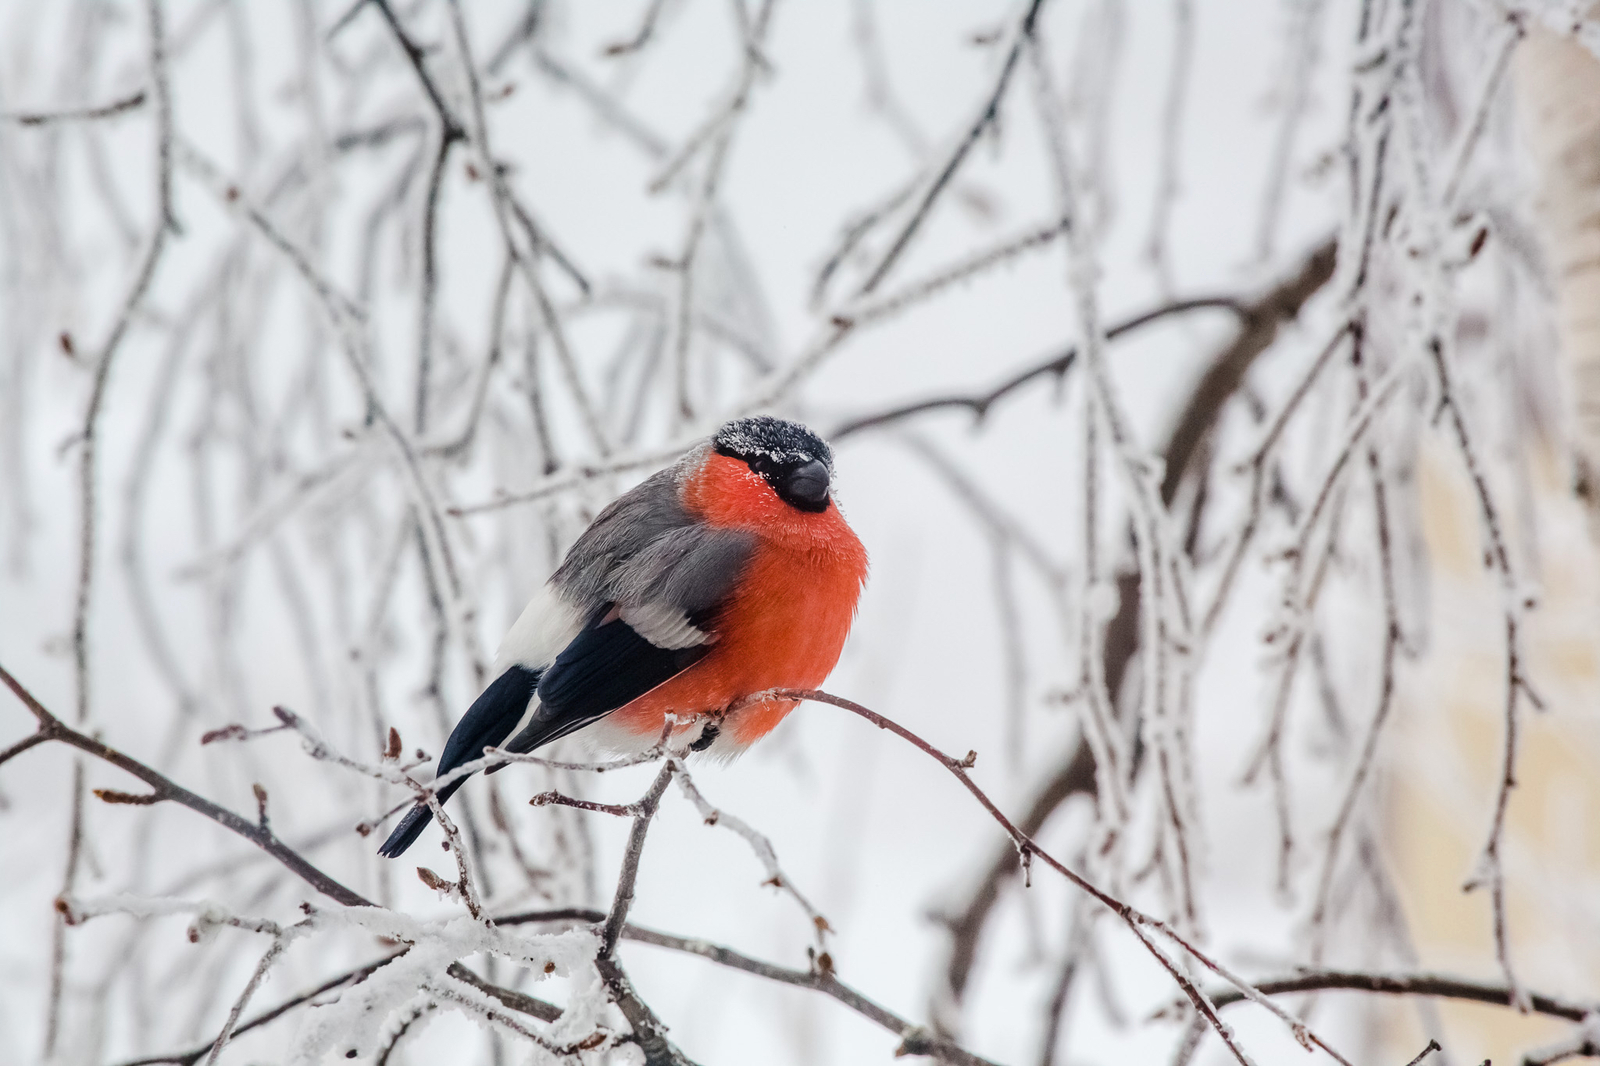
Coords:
23,745
453,130
647,1028
1413,984
52,728
1056,365
988,113
1262,320
77,114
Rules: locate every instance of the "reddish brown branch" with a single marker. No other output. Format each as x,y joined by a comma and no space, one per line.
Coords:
619,810
164,788
23,745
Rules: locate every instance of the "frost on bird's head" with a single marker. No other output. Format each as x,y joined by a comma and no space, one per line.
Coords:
762,436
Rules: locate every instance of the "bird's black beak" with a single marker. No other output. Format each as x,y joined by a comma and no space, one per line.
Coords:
806,487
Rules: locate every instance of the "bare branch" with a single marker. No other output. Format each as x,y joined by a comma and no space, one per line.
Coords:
1056,366
418,59
758,844
1416,984
988,112
167,789
77,114
194,1055
1514,601
641,36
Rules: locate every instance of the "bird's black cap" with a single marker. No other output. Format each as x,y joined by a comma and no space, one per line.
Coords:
774,439
796,462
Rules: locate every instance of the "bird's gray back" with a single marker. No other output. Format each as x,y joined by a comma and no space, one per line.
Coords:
647,548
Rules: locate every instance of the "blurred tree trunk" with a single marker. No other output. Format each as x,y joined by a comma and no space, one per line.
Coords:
1456,701
1558,90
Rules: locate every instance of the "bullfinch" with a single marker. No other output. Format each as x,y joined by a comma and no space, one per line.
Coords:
728,573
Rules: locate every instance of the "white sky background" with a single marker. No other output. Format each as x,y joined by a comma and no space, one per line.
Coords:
875,833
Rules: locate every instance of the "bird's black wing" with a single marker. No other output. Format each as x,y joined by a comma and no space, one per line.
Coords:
606,666
657,620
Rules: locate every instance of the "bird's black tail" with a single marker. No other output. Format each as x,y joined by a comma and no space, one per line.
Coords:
490,719
416,820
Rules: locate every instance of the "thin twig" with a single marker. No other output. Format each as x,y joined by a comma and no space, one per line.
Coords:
1413,984
616,810
194,1055
23,745
641,36
167,789
88,469
758,844
231,1024
1514,601
1168,185
860,311
1515,30
1388,655
1433,1045
988,112
453,130
628,878
1299,70
76,114
1056,365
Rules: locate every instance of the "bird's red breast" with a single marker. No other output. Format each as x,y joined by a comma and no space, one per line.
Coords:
784,624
